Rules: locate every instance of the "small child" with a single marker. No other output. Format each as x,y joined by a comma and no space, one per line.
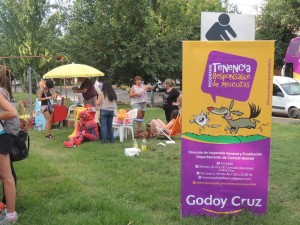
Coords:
56,94
57,98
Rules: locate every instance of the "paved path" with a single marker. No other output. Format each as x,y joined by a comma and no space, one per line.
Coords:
284,120
123,96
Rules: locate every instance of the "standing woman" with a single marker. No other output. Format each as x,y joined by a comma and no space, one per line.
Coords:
107,100
171,99
139,98
7,111
3,201
45,95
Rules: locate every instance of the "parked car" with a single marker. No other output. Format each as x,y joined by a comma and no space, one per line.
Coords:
178,84
286,96
159,86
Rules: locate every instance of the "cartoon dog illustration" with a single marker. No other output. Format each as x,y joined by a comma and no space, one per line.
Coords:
202,120
236,124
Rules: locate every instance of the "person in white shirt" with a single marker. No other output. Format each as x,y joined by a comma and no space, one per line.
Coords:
139,99
98,85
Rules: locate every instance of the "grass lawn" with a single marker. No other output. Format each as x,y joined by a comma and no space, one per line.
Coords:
98,184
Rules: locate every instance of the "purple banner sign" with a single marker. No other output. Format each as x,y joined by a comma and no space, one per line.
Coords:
226,75
224,178
226,127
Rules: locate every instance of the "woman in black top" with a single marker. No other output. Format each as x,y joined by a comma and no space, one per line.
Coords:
171,99
45,95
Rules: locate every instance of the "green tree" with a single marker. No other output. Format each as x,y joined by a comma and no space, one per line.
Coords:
107,35
28,28
279,21
172,23
126,37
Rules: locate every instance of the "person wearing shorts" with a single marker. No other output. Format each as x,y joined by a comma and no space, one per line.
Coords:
45,95
3,201
139,98
7,111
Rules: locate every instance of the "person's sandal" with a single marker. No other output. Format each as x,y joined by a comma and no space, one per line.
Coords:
49,136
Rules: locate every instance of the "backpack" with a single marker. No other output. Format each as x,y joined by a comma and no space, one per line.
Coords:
11,126
19,149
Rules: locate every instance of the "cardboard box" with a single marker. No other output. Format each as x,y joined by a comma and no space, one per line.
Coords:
69,123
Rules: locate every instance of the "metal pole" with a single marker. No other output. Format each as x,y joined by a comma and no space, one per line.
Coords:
28,56
152,98
65,80
36,81
30,90
152,93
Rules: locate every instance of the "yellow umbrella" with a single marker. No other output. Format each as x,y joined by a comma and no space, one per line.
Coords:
73,70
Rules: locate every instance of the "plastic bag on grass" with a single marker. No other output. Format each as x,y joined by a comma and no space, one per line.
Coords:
132,152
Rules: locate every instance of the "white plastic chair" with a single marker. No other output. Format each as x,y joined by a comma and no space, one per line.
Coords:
126,125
